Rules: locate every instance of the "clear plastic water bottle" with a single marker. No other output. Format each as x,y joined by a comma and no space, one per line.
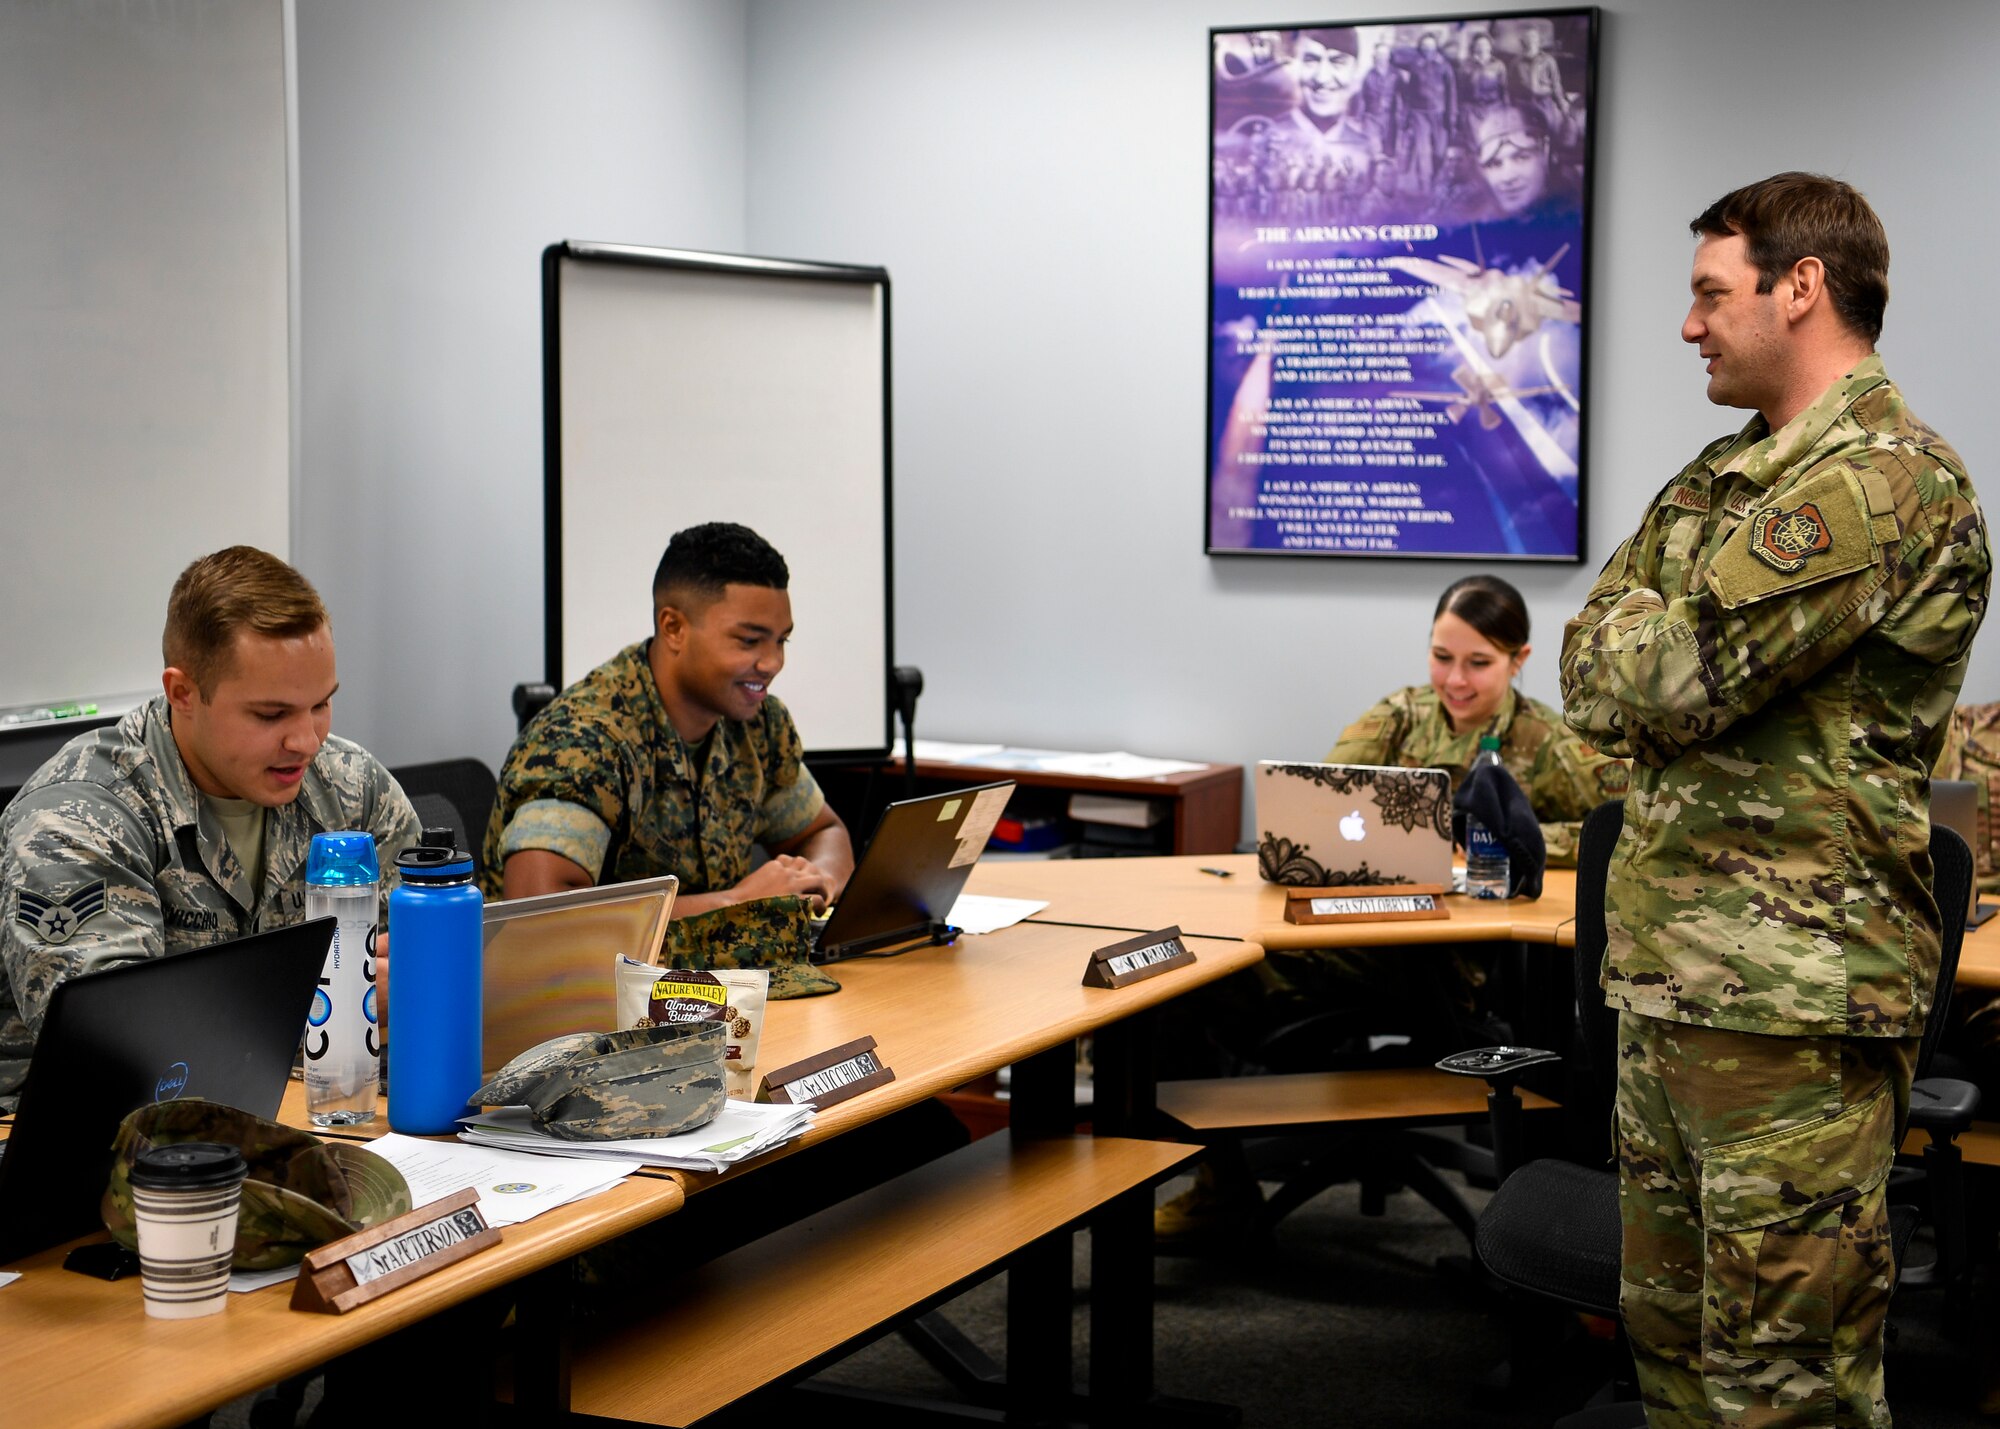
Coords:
343,881
1486,871
435,959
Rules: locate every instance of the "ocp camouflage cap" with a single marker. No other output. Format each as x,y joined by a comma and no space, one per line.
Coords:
301,1192
774,933
607,1086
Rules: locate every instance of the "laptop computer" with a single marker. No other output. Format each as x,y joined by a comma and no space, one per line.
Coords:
914,868
549,961
1955,804
220,1022
1342,825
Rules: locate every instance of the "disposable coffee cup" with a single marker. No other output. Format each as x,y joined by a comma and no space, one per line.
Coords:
185,1199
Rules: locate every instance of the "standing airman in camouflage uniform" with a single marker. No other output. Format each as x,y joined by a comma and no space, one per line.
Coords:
187,823
1778,649
672,757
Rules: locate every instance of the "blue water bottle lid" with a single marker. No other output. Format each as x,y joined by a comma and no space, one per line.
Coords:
342,860
435,859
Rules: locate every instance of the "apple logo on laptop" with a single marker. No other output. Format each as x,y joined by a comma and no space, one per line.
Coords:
1354,828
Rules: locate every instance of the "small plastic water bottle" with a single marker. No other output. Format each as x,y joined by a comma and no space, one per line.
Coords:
1486,871
343,881
435,962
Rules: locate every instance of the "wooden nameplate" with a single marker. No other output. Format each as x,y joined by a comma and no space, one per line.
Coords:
833,1076
1366,903
1135,959
369,1264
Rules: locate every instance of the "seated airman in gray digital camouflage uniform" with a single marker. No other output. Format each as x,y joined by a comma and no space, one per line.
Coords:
1778,650
187,823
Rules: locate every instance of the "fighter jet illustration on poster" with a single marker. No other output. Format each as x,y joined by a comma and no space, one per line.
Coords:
1478,391
1503,308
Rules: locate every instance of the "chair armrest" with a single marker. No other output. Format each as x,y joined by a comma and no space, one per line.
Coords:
1501,1061
1943,1106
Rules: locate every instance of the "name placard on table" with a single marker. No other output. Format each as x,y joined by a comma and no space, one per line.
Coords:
370,1263
1366,903
828,1077
1136,959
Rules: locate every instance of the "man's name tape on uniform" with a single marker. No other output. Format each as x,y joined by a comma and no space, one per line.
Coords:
1365,903
827,1077
1137,959
369,1264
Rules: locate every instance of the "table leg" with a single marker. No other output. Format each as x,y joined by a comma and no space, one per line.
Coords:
1121,1234
542,1341
1042,1102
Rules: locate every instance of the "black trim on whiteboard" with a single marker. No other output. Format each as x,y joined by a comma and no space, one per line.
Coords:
581,251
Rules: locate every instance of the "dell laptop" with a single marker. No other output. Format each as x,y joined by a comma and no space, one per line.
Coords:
222,1023
1346,825
915,866
550,961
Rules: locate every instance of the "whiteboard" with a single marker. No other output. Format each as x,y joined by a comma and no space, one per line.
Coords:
145,407
687,387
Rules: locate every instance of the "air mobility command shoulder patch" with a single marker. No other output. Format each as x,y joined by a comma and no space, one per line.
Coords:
1786,540
53,920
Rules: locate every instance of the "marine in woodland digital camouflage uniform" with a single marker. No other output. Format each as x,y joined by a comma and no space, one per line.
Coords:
108,855
1778,649
1562,776
602,778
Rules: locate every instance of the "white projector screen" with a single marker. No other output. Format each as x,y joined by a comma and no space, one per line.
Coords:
687,387
145,409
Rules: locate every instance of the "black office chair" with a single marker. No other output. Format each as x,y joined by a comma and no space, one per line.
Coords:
1552,1232
455,794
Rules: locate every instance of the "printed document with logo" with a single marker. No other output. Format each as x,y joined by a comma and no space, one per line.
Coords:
1342,825
740,1131
513,1186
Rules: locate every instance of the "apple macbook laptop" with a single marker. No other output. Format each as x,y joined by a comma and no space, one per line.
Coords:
220,1022
1955,804
550,960
914,868
1342,825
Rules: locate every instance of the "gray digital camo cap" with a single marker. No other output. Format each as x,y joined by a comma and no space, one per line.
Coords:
301,1192
606,1086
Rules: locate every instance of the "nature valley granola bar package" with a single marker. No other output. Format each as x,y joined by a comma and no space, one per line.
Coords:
649,996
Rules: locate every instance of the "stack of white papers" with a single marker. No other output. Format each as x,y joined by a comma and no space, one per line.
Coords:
740,1131
513,1186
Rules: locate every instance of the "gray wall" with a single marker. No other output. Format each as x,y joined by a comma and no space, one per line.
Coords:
442,145
1033,176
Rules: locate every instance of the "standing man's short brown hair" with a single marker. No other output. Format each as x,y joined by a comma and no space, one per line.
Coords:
240,588
1795,215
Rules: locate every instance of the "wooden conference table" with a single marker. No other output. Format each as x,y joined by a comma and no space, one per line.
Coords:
1141,894
78,1351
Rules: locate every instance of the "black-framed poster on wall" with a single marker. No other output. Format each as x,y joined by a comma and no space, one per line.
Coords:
1399,225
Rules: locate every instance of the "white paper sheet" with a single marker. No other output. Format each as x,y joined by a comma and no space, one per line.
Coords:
950,752
983,913
8,1277
513,1185
1117,765
242,1282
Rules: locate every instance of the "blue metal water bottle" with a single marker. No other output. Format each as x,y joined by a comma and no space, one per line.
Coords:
434,986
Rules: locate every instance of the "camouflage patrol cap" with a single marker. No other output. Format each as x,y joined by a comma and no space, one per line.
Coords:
607,1086
774,933
301,1192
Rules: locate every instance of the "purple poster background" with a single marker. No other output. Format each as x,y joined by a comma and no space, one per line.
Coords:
1398,224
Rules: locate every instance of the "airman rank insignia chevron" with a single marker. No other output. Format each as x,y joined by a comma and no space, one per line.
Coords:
1786,540
53,921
